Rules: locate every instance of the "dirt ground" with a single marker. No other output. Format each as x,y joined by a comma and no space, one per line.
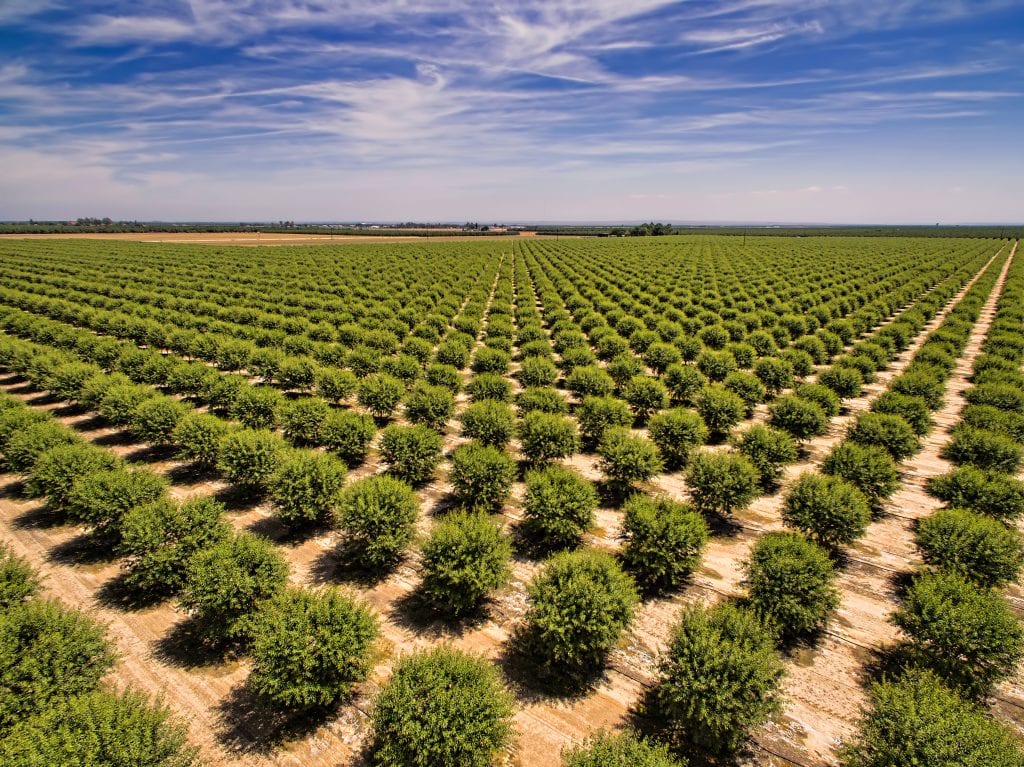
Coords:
253,238
823,687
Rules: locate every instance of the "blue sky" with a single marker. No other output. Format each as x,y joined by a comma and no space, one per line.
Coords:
737,110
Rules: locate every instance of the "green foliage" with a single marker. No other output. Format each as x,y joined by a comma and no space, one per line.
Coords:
18,581
380,394
660,356
348,434
913,410
969,636
258,407
719,679
981,549
430,405
67,380
622,750
306,486
830,510
250,457
412,453
537,371
465,559
719,408
664,540
14,421
100,729
559,506
645,396
160,538
490,421
156,419
626,458
984,449
335,384
225,584
676,433
444,375
488,360
377,514
489,386
716,365
822,396
441,708
868,467
684,382
336,635
120,402
101,499
580,605
844,381
199,436
890,432
915,719
296,373
48,654
597,414
721,483
1002,396
303,418
986,492
544,436
748,388
32,440
800,417
769,450
95,388
920,384
481,475
55,471
790,583
541,398
590,380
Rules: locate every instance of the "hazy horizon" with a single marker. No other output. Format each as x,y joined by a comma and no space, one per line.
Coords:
738,112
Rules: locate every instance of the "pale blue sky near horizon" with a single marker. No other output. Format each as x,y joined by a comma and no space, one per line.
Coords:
828,111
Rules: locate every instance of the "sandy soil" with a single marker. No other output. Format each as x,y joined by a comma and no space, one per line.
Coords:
823,687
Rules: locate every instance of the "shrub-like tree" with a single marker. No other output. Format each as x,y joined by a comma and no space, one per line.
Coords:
537,371
227,583
430,405
444,375
986,492
489,360
377,514
559,506
769,450
590,381
622,750
720,408
844,381
830,510
258,407
66,380
597,414
198,437
303,418
887,431
490,421
969,636
296,373
659,356
915,719
868,467
645,396
336,634
541,398
335,384
982,549
984,449
465,559
543,436
55,471
1001,395
441,708
719,678
716,365
100,728
748,388
489,386
580,604
48,654
664,540
481,475
120,402
920,384
822,396
18,581
160,538
25,446
101,499
251,457
913,410
626,458
775,374
156,419
721,483
791,584
306,486
412,453
380,394
798,416
348,434
684,382
676,433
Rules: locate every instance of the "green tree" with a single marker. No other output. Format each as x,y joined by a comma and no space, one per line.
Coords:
888,431
543,436
770,450
559,506
481,475
251,457
55,471
465,559
348,434
983,550
303,419
489,421
800,417
412,453
720,408
828,509
377,514
18,581
198,437
867,467
622,750
986,492
101,499
595,415
721,483
441,708
626,458
380,394
676,433
664,540
430,405
307,486
156,419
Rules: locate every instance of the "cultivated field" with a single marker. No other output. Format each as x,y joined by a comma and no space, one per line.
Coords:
670,367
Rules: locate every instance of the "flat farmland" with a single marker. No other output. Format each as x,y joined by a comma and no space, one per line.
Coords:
716,376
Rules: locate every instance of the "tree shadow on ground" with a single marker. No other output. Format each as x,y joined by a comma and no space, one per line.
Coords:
342,564
118,594
248,725
531,681
414,613
84,549
188,645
